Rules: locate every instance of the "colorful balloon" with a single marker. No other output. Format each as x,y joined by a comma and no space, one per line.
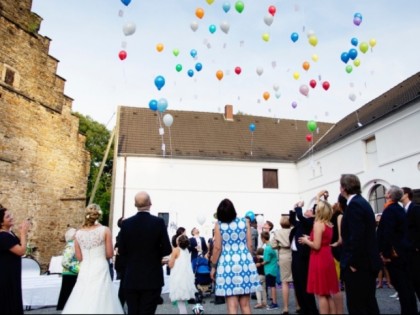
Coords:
178,67
159,82
239,6
153,105
294,37
129,28
312,83
309,137
356,62
250,214
296,75
266,37
159,47
194,26
306,65
193,53
352,53
304,90
238,70
326,85
272,10
199,12
175,52
252,127
198,66
126,2
313,40
266,95
315,57
357,19
354,41
168,120
122,54
372,42
226,7
294,104
162,105
349,68
210,1
345,57
212,28
311,125
219,74
190,73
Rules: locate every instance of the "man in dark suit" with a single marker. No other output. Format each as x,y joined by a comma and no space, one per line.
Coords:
413,218
198,244
360,261
393,248
300,257
143,241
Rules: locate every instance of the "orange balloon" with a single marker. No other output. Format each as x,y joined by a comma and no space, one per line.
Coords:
306,65
199,12
159,47
266,95
219,74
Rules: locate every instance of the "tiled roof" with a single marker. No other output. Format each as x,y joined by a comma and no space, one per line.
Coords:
203,135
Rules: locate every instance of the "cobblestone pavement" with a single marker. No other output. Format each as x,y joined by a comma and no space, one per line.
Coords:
387,305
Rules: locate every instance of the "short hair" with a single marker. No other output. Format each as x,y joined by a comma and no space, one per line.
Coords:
183,241
285,222
342,201
323,211
270,224
2,213
409,192
265,235
395,193
226,212
260,251
351,184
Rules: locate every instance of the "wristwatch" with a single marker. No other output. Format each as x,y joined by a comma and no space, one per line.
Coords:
213,265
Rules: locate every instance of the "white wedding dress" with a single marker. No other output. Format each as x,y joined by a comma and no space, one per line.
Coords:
93,292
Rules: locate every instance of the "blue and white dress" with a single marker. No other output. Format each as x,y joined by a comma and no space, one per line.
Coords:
236,272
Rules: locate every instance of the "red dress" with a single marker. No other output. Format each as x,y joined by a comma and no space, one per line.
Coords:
322,277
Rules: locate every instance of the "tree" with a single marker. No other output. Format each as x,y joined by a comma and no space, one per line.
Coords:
97,138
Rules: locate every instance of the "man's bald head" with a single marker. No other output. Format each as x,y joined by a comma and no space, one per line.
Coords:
142,201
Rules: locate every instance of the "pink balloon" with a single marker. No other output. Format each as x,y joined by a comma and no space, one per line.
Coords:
304,90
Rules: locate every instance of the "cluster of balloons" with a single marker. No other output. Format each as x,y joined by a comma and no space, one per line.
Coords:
357,19
312,126
129,28
160,105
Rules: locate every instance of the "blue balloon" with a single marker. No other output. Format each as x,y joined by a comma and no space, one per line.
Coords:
345,57
153,105
162,105
212,28
354,41
252,127
358,15
190,73
352,53
193,53
198,66
159,82
126,2
250,214
226,7
294,37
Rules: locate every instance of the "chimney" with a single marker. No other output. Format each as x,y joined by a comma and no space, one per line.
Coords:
229,112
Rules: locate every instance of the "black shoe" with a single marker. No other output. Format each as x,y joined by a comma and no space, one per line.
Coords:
191,301
253,296
160,301
219,300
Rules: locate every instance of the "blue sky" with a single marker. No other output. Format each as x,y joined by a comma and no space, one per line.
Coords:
87,36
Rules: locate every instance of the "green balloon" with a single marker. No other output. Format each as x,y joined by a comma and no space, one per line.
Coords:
239,6
364,47
349,68
311,125
178,67
175,52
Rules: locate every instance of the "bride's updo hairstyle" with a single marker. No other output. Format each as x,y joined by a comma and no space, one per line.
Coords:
92,214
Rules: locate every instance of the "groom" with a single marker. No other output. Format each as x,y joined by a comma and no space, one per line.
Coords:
143,241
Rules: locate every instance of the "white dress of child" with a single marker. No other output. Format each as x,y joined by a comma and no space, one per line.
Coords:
182,281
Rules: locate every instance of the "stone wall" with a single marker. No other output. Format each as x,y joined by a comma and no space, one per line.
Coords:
43,161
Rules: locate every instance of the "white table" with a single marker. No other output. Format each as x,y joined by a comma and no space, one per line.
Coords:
38,291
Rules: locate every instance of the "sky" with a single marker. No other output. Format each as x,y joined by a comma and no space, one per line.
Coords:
87,37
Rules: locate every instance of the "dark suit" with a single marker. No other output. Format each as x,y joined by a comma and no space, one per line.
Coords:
300,261
413,218
360,251
143,241
193,245
393,244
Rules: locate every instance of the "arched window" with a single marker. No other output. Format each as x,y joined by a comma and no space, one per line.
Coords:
377,198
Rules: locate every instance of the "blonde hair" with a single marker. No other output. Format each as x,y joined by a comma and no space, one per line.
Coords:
285,222
323,211
93,213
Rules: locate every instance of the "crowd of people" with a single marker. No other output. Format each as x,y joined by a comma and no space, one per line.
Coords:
326,251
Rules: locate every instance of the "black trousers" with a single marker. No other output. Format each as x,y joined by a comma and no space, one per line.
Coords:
360,287
142,301
414,270
300,265
67,284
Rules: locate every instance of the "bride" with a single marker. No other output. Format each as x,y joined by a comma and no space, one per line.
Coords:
93,292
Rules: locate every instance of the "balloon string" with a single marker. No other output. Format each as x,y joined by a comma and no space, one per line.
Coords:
252,141
170,140
161,130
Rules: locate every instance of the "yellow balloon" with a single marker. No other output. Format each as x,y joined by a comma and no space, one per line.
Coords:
356,62
372,42
159,47
313,40
315,57
266,37
296,75
210,1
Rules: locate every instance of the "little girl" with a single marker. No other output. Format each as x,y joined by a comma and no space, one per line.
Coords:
182,286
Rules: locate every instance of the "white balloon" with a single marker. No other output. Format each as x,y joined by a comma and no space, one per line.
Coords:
268,19
260,219
260,70
352,97
310,33
201,218
276,87
129,28
194,26
224,26
168,120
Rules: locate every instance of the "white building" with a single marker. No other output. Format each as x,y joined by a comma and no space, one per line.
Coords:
211,156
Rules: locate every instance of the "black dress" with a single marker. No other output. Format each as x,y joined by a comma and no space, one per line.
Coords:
10,276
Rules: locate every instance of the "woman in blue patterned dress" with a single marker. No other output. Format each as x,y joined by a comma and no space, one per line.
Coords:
233,268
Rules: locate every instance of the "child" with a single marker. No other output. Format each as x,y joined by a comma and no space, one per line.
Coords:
182,286
270,269
261,303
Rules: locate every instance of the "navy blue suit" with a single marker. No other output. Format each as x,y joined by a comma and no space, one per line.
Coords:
143,242
360,251
193,245
413,218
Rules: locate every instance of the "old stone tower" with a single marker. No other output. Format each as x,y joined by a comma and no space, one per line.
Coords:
43,161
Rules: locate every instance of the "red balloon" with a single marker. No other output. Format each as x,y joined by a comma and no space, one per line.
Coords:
312,83
238,70
272,10
122,54
309,137
326,85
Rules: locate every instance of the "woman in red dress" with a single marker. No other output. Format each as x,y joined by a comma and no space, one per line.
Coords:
322,277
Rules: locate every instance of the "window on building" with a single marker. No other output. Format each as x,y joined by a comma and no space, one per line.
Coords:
165,217
9,77
270,178
377,198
